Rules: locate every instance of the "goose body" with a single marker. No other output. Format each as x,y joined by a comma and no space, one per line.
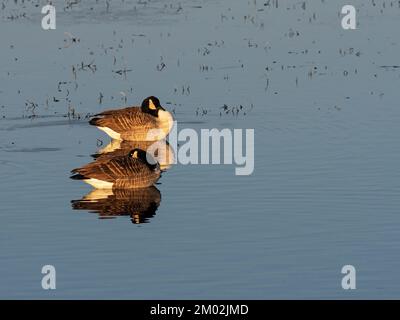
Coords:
122,172
148,122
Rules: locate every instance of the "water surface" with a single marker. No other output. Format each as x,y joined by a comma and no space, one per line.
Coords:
324,105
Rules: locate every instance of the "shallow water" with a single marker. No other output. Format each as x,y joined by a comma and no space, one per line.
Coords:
325,190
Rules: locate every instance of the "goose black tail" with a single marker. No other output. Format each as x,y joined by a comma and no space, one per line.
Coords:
78,177
94,121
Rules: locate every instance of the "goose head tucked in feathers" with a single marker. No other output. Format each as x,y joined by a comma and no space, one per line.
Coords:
145,157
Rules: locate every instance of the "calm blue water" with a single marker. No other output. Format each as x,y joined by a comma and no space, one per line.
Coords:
326,185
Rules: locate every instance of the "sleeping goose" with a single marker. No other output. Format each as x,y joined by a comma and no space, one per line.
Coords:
135,170
149,122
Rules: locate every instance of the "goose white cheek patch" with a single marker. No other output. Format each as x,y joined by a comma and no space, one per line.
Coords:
152,105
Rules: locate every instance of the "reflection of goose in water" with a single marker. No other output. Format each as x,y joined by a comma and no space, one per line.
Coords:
160,150
139,204
150,121
135,170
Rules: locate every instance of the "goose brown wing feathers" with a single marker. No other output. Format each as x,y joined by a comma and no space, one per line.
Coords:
115,169
125,120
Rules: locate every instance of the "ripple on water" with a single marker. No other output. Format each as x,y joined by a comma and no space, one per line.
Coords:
33,150
45,124
10,170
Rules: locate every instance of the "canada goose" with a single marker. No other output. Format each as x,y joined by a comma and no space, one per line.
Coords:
135,170
149,122
139,204
160,150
